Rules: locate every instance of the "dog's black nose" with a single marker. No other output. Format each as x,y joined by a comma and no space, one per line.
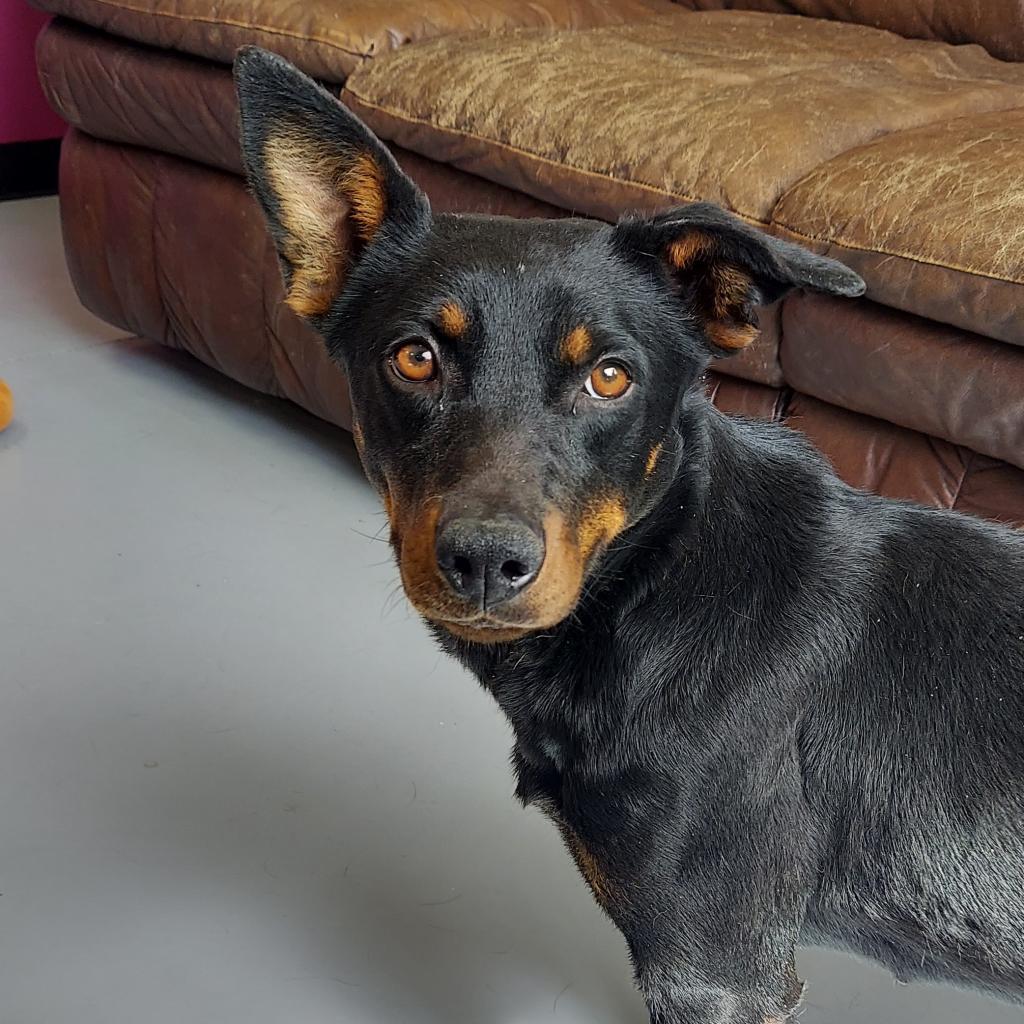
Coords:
488,561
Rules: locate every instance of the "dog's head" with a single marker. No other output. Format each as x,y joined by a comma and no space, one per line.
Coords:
515,384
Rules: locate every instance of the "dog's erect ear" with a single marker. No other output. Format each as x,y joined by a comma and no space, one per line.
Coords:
326,183
725,269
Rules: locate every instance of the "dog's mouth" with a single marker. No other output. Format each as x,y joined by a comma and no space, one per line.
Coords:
484,630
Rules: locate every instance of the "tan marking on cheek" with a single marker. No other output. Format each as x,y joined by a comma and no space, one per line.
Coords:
416,527
453,320
652,458
687,250
576,345
555,591
602,521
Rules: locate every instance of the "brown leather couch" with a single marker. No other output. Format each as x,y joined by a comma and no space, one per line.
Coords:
888,133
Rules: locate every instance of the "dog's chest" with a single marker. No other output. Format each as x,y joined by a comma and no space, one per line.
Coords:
556,747
566,705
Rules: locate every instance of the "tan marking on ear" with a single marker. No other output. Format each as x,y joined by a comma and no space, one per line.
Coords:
652,458
357,435
362,184
312,217
730,289
316,192
453,320
576,345
688,249
731,336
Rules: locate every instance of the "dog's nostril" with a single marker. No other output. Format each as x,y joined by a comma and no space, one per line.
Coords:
488,561
463,566
514,571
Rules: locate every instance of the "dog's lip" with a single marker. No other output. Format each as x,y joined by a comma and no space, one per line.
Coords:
485,630
479,622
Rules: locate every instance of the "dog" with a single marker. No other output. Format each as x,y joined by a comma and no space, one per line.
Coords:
761,706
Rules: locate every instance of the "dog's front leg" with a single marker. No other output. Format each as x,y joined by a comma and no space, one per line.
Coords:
711,930
709,995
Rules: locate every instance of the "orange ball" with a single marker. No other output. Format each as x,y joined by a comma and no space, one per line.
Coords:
6,405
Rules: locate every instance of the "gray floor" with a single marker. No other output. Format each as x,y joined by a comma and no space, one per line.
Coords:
237,783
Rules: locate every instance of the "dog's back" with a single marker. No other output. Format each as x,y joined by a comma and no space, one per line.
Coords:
913,751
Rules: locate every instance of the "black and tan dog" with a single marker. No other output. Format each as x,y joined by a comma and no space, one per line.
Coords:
761,707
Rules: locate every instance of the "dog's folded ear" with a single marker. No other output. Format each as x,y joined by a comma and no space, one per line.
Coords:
328,186
722,269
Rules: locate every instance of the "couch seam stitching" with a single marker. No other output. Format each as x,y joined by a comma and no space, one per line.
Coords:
633,183
229,23
963,477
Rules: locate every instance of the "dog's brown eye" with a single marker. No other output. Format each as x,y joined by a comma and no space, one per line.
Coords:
414,361
609,380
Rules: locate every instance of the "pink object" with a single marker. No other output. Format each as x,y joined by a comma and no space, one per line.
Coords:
24,114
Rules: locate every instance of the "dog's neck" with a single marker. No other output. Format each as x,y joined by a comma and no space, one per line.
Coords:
649,550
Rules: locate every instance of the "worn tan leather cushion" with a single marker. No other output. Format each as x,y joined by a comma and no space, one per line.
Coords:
932,218
998,25
728,106
329,38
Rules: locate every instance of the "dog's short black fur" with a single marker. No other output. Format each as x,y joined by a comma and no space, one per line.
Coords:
761,706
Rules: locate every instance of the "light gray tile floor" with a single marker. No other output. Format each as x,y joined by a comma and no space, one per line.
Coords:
237,783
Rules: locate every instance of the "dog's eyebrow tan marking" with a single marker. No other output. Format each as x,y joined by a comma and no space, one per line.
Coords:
453,320
653,456
576,345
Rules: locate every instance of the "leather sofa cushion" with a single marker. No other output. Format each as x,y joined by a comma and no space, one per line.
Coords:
933,219
731,106
899,463
329,38
998,25
186,106
914,372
